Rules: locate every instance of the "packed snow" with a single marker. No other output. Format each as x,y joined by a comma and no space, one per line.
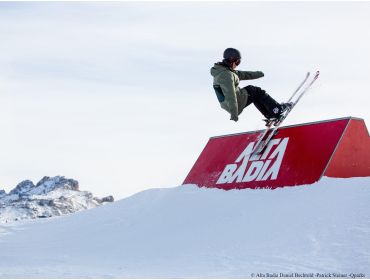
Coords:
191,232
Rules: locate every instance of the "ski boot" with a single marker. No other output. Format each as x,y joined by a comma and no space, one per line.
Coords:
284,108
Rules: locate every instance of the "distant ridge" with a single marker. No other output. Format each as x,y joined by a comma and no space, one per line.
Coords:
51,196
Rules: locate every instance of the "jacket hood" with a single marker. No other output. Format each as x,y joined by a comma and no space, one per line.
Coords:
218,68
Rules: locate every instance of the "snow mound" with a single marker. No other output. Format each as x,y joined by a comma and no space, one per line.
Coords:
187,232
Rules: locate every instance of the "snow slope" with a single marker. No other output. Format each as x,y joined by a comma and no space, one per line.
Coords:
187,232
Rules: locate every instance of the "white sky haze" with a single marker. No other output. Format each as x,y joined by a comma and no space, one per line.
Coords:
118,95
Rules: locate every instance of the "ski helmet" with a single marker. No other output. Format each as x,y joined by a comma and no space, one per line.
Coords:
232,54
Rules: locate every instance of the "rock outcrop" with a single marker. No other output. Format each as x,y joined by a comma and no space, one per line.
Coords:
51,196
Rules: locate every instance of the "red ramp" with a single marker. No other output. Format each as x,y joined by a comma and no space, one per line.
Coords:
297,155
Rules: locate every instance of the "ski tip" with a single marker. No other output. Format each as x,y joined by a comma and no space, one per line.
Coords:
317,74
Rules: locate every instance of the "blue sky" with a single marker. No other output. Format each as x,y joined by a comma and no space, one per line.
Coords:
118,95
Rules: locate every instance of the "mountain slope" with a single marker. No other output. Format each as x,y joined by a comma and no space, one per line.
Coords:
197,232
51,196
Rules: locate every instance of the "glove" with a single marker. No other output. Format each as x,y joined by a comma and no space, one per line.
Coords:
260,73
234,118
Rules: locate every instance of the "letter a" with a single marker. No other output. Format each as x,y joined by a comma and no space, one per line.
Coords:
245,155
279,153
227,174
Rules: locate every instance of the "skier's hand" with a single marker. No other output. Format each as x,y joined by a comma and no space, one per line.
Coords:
234,118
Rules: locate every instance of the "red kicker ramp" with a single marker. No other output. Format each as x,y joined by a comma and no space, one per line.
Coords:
297,155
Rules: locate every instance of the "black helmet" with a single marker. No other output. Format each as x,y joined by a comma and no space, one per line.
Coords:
232,54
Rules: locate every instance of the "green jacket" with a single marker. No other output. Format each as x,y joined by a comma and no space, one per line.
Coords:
226,84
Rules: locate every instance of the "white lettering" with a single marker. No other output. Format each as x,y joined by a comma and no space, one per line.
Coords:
253,171
279,152
238,175
272,143
263,171
261,167
227,173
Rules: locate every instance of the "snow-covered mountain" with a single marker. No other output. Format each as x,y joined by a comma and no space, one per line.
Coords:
50,197
321,230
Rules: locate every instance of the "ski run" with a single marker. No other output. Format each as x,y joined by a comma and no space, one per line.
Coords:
190,232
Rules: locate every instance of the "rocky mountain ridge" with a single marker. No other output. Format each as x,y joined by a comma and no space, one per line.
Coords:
51,196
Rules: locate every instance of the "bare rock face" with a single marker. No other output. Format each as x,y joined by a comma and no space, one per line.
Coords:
51,196
105,199
23,187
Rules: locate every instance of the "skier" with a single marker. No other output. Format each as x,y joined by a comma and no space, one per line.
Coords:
234,99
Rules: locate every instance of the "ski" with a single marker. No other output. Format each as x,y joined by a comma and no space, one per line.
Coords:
300,86
270,132
269,122
277,123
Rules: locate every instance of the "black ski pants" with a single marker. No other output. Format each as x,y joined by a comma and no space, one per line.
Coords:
268,106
